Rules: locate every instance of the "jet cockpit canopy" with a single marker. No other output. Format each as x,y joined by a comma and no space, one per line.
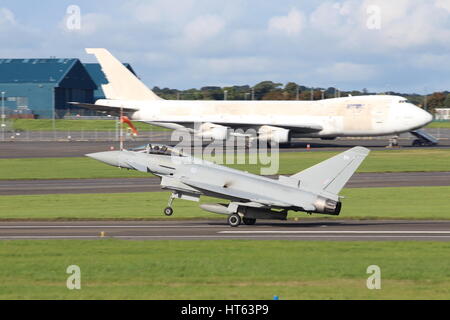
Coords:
158,149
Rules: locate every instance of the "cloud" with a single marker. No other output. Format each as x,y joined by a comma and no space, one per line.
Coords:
443,4
403,23
289,25
431,62
222,66
347,72
198,42
7,17
15,36
159,11
201,29
92,24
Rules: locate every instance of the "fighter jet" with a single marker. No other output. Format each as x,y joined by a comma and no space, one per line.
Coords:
250,196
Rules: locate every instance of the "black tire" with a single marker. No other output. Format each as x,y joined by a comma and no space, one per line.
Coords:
234,220
417,143
249,221
168,211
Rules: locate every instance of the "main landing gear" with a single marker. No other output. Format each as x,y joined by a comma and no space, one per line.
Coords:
235,220
249,221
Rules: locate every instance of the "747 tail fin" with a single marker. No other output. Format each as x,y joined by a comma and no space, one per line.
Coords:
331,175
122,83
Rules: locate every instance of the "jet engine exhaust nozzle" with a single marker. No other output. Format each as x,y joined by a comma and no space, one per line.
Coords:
328,206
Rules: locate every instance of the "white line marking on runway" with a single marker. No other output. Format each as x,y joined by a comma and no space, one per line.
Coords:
130,237
334,232
102,227
286,236
47,237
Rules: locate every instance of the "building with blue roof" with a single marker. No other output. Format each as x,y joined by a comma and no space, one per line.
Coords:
43,87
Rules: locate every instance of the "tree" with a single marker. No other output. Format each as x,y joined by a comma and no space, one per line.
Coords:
447,101
291,90
262,88
276,95
436,100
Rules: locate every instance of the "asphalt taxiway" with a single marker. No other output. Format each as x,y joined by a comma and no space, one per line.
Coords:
330,230
124,185
51,149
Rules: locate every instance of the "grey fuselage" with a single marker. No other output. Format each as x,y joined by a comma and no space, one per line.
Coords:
185,174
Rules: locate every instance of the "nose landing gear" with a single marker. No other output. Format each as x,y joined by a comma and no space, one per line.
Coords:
168,211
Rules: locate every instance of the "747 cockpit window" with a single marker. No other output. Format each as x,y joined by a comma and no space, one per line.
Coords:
404,101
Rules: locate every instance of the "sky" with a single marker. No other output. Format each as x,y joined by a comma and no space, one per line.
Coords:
381,45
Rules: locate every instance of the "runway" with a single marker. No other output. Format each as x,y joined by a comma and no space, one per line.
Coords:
335,230
151,184
46,149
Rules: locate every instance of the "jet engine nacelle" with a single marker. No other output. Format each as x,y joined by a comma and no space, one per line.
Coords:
327,206
213,131
278,135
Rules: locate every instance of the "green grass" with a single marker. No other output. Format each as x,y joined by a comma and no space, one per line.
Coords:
439,124
377,161
228,269
364,203
75,125
61,168
290,162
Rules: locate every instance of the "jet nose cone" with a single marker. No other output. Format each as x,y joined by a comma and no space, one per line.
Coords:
429,117
424,117
108,157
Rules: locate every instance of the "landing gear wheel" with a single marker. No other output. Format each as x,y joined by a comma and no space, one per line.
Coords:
234,220
249,221
168,211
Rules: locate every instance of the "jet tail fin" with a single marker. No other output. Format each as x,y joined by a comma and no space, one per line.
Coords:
123,84
332,174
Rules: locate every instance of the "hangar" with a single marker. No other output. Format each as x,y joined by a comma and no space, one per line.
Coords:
41,88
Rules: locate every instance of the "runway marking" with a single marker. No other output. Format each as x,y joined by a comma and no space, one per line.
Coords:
332,232
228,237
103,227
286,236
47,237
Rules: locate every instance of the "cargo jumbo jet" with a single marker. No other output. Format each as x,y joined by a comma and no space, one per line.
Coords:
359,116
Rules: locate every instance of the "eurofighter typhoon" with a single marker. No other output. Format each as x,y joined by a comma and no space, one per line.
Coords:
250,196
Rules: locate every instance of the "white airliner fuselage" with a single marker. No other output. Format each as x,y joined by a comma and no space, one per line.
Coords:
345,117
